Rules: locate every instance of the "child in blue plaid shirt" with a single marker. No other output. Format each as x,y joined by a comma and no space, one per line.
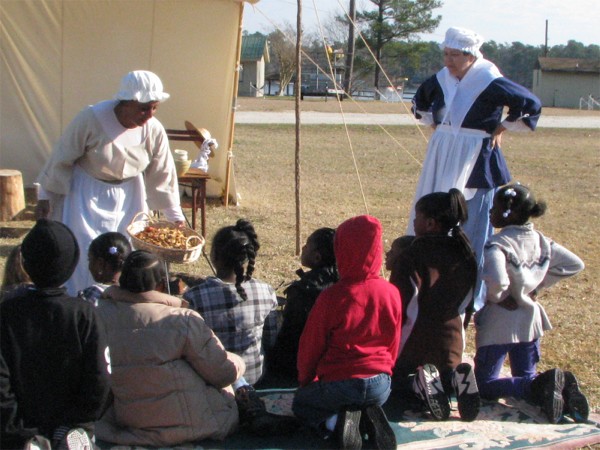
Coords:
238,308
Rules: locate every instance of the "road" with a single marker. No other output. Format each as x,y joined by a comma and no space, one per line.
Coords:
312,117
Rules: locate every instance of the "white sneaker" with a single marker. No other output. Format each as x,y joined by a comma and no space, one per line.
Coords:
38,443
76,439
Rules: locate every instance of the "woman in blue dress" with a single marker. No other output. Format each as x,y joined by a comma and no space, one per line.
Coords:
464,103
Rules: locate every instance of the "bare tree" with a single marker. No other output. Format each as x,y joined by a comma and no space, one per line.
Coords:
283,48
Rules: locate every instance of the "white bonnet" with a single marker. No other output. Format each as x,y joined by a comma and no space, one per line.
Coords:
143,86
464,40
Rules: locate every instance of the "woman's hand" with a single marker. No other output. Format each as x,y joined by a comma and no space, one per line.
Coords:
496,138
180,224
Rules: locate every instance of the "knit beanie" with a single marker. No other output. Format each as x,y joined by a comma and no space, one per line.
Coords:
50,253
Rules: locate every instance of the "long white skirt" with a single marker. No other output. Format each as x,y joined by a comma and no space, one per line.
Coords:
93,207
448,164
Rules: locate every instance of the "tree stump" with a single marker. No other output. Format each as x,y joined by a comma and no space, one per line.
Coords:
12,194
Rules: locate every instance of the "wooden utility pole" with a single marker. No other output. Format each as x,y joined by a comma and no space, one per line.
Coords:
546,40
297,95
350,48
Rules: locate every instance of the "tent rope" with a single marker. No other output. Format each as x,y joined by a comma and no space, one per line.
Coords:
348,95
339,102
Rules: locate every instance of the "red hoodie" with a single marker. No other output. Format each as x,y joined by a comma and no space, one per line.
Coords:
353,330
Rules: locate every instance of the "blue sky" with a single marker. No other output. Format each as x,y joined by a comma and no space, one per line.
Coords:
499,20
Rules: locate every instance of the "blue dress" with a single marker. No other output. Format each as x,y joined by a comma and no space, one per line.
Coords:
459,154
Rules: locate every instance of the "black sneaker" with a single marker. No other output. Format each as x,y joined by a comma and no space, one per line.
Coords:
576,405
376,426
428,386
347,430
467,393
547,389
249,404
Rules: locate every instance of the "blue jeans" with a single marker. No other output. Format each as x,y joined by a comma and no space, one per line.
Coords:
478,229
524,357
316,402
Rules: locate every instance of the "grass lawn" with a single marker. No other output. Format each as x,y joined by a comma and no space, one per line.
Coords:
368,170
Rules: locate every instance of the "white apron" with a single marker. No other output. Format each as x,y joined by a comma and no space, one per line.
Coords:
93,207
448,164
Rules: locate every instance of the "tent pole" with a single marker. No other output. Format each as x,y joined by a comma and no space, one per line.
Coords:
297,92
234,105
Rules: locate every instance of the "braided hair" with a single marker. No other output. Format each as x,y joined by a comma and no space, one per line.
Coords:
232,247
518,204
323,240
449,210
111,247
142,272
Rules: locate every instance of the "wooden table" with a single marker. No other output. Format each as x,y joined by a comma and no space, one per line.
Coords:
196,179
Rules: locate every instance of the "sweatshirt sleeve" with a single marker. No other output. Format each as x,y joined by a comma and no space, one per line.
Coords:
313,341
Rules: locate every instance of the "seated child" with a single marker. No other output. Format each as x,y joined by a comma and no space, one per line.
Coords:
53,345
519,262
106,255
171,376
436,275
350,343
236,306
317,255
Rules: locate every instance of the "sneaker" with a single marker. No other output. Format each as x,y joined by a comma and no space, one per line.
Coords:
347,430
249,404
547,389
467,394
376,426
76,439
38,442
576,405
428,386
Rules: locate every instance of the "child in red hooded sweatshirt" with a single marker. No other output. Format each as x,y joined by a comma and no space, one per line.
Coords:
350,343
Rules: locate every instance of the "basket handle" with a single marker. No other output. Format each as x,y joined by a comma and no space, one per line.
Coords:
141,213
191,238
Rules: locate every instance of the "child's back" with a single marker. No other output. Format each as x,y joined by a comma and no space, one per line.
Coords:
300,296
238,308
52,344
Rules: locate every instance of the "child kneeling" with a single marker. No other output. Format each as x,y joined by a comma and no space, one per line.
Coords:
350,342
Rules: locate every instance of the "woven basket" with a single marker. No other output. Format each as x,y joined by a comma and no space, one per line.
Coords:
194,242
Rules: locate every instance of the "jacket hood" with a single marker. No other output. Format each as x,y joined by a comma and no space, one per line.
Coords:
359,248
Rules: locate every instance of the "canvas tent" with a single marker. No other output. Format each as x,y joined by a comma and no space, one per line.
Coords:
57,56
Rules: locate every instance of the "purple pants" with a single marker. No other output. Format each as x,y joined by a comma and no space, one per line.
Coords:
523,357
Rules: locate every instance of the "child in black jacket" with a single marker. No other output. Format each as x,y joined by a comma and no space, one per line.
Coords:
55,353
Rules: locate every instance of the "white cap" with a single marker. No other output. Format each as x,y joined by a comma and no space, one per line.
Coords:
463,40
142,86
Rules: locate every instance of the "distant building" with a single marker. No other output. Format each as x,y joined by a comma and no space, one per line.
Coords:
563,82
254,55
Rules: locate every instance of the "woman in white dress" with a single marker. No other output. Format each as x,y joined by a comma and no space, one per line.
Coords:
112,161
